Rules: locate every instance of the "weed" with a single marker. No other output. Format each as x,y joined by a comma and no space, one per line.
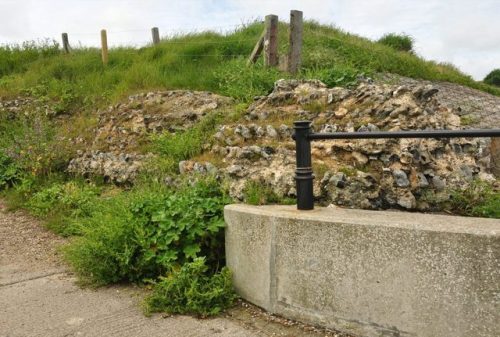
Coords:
478,199
315,107
9,171
348,171
257,193
468,120
192,290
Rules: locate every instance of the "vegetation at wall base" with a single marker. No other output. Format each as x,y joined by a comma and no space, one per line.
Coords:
191,290
147,232
479,199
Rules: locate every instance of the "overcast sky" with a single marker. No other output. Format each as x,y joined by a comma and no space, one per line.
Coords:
463,32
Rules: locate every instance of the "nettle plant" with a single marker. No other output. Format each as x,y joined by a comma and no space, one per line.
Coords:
177,228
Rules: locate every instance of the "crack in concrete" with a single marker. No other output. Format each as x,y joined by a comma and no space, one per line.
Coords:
32,278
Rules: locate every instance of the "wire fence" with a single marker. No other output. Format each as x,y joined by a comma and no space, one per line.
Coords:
134,40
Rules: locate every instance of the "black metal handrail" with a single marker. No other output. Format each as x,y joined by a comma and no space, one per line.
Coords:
303,136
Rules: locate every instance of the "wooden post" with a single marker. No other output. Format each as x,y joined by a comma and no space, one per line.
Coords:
271,41
104,47
65,42
295,51
257,50
156,35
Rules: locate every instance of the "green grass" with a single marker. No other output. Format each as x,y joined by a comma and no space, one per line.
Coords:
204,61
478,199
191,290
400,42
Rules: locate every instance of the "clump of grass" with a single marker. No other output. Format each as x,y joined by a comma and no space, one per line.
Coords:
257,193
192,290
64,204
478,199
175,147
468,120
399,42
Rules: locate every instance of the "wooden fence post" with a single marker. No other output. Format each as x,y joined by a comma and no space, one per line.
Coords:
65,42
156,35
271,41
257,49
295,51
104,47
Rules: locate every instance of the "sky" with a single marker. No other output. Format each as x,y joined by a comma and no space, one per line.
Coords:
463,32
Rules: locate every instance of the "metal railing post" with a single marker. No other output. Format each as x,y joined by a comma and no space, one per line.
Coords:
303,173
303,137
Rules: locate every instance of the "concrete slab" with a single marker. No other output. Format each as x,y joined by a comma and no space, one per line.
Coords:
370,273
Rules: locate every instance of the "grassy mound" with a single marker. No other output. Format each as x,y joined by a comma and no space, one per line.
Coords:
203,61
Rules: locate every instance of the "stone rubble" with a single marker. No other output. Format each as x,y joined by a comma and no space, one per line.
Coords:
409,174
117,153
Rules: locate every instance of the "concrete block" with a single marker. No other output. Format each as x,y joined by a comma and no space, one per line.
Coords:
369,273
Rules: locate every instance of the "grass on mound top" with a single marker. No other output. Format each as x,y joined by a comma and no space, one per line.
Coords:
203,61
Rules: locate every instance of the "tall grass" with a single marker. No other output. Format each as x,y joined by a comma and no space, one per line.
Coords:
205,61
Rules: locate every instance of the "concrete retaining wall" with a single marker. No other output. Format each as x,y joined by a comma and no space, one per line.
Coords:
369,273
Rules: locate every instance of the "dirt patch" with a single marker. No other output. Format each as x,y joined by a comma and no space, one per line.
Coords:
23,240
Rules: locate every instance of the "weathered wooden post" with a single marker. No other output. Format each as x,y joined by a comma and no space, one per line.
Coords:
104,47
65,42
295,51
156,35
271,41
257,49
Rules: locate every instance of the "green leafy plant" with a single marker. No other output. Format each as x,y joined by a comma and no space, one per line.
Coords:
191,289
63,204
493,78
9,171
400,42
145,233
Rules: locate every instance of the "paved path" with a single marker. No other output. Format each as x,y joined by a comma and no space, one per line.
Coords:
38,297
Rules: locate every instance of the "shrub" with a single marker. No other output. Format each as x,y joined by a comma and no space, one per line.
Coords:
191,290
145,233
400,42
493,78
